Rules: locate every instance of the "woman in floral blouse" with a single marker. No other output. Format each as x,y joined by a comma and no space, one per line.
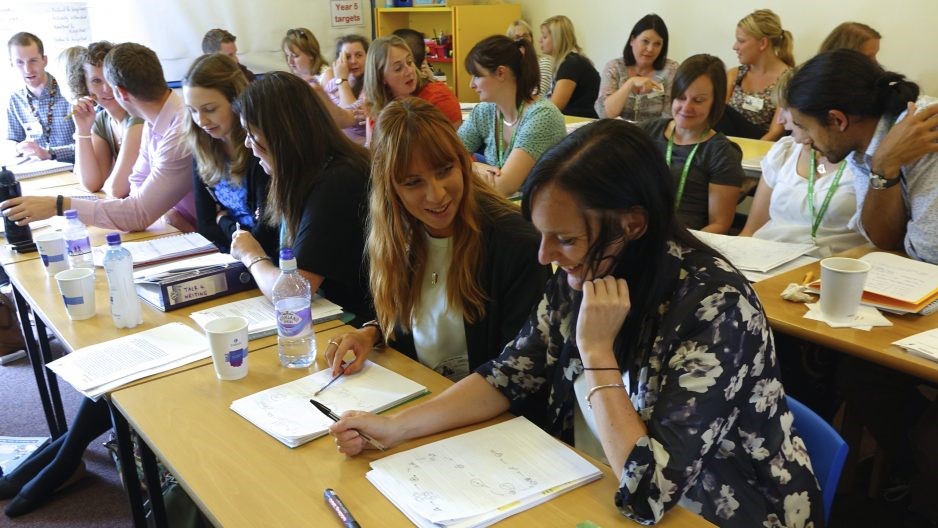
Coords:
647,349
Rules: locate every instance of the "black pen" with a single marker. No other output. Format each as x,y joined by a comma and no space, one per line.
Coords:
332,416
339,508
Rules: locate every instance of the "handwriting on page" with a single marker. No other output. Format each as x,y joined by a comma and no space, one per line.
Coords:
899,277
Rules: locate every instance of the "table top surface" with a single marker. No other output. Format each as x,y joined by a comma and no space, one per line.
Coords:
875,346
240,476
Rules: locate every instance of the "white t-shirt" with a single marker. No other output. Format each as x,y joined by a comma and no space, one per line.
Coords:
789,217
439,330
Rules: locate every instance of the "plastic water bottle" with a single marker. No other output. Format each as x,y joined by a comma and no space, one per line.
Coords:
76,238
291,294
119,268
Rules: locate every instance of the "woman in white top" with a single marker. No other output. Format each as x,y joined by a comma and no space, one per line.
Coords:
804,198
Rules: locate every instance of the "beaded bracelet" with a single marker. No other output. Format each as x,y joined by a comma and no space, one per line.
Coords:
599,387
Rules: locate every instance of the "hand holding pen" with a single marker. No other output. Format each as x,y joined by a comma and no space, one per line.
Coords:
359,343
349,433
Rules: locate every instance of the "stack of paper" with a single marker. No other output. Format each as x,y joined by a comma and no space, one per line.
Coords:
262,320
748,254
284,412
924,345
100,368
146,252
897,284
481,477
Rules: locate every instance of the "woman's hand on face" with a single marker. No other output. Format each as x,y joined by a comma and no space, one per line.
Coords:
340,67
359,342
604,307
243,245
83,113
346,432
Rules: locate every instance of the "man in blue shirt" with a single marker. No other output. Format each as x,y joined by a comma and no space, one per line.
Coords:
37,116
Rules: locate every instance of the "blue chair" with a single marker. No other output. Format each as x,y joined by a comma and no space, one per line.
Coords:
827,450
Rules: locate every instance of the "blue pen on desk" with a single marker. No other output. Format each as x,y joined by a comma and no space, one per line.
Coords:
339,508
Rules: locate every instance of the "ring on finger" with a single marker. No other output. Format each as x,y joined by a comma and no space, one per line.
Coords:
333,342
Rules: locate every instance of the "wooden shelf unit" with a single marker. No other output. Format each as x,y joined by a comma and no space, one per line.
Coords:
467,23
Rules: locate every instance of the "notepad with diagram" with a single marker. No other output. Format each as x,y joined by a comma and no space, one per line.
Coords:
259,312
284,411
481,477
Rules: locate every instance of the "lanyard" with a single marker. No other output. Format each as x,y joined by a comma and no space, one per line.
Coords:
501,157
47,128
816,220
686,169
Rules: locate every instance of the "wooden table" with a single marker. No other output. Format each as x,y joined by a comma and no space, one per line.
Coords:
875,346
240,476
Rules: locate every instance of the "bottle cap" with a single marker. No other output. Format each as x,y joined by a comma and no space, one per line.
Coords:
286,253
71,213
6,176
113,239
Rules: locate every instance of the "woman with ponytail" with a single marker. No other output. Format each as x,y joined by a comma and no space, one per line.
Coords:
765,53
511,127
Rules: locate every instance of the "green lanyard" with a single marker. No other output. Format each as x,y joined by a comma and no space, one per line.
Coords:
686,169
816,220
501,157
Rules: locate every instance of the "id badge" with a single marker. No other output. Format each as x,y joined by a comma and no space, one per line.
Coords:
753,103
33,130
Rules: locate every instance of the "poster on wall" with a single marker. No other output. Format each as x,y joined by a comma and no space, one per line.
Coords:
346,13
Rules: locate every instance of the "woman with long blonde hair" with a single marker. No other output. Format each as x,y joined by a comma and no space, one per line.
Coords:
303,54
764,49
454,267
576,81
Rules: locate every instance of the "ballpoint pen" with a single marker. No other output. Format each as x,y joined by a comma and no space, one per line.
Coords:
332,416
337,376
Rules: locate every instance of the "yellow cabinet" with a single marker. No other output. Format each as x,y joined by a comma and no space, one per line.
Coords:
467,23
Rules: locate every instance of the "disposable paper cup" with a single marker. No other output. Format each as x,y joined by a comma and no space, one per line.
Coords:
77,287
842,281
53,252
228,341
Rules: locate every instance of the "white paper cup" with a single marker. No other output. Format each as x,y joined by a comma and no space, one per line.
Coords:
842,281
77,287
53,252
228,342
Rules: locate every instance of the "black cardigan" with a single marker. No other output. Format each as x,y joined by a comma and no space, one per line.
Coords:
511,278
258,184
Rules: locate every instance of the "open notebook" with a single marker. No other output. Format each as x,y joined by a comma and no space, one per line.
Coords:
754,254
262,320
284,411
481,477
162,249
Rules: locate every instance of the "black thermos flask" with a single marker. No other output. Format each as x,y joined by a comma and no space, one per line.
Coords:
20,237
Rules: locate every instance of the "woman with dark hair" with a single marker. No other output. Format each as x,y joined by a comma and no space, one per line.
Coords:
512,126
576,81
318,181
705,165
647,349
344,84
392,73
637,86
106,143
230,185
453,264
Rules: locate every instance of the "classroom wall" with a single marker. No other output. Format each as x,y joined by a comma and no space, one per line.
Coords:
603,26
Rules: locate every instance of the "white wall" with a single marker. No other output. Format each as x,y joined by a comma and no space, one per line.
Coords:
602,26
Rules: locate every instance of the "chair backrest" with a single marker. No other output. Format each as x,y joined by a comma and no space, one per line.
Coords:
827,449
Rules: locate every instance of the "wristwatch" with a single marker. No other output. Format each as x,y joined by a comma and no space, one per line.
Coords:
340,81
879,183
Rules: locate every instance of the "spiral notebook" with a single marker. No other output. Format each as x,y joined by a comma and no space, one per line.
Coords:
162,249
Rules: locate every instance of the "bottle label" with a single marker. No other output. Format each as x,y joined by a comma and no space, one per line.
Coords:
293,323
78,246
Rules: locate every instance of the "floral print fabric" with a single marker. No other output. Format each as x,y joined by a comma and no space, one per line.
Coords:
720,440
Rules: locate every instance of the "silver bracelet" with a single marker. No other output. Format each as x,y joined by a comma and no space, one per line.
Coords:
599,387
76,136
255,260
